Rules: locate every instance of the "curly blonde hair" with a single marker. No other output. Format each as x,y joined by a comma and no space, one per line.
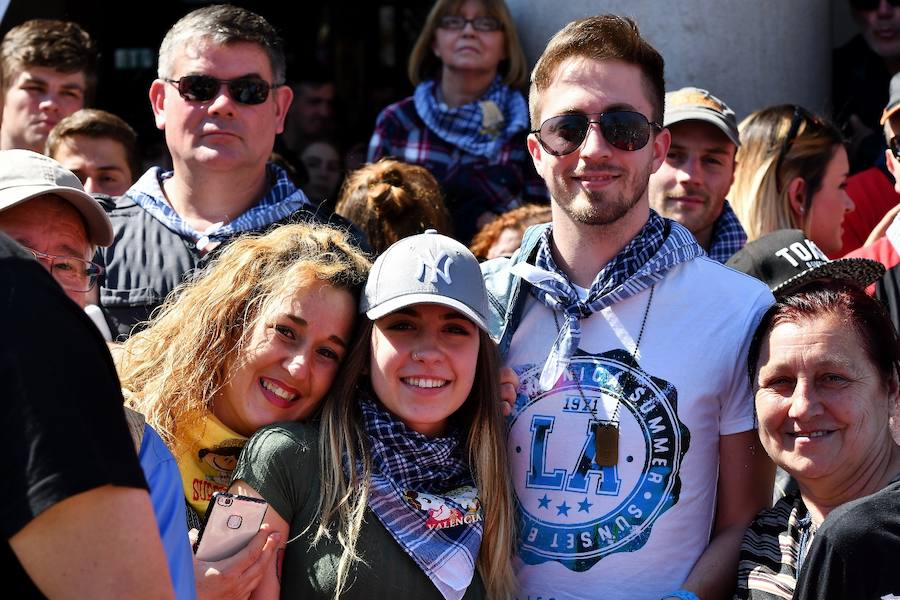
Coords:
173,370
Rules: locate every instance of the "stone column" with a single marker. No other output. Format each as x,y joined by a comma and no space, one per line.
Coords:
750,54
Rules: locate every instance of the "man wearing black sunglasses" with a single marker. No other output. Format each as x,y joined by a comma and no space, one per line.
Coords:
220,99
633,452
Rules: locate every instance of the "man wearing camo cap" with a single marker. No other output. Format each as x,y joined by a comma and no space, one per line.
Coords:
691,185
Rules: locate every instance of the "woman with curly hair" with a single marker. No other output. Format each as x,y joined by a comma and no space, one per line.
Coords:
256,340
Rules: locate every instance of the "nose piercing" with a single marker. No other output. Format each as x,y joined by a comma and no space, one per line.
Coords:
415,356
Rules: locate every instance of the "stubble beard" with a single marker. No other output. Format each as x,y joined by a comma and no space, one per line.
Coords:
607,207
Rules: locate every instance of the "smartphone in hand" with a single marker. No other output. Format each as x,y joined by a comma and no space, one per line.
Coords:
231,522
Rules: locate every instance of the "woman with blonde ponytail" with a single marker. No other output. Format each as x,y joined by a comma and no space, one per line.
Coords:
390,200
402,490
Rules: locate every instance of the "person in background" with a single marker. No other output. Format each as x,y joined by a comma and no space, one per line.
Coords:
861,71
321,159
873,190
425,506
48,72
255,340
390,200
466,121
311,115
99,147
503,235
691,185
791,174
44,208
632,443
823,364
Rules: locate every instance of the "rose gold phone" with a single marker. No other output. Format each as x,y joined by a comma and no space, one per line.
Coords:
231,522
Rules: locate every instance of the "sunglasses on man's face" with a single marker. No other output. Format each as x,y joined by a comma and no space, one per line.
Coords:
894,144
623,129
871,4
203,88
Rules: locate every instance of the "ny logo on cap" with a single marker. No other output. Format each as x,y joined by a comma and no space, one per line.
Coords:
432,263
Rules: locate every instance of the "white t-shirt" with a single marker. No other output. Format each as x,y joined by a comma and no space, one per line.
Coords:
633,530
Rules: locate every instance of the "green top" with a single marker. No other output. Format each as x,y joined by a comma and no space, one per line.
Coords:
281,462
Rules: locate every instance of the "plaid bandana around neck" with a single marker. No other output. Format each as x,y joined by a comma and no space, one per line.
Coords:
282,199
480,127
613,283
421,489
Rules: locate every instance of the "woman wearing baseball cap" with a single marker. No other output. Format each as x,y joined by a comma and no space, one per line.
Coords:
403,484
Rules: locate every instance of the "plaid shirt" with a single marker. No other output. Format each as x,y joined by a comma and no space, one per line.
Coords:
471,184
728,236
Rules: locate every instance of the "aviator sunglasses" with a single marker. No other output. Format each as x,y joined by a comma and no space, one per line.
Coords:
871,4
202,88
623,129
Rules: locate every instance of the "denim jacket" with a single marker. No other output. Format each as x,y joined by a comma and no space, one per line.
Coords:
506,299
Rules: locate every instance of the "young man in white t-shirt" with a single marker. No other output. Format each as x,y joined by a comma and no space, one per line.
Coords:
634,454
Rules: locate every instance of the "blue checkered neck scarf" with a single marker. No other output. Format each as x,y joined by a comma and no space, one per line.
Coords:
659,245
422,491
728,235
480,127
282,199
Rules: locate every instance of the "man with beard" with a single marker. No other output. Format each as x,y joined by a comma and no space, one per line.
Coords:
632,446
691,184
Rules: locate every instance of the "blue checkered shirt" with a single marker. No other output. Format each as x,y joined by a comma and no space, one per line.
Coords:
728,236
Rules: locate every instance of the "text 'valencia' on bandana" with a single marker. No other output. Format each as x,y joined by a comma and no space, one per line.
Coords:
422,491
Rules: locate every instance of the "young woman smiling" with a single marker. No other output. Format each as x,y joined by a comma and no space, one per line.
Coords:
403,485
256,340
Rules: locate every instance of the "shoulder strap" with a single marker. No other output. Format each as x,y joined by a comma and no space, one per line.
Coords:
135,422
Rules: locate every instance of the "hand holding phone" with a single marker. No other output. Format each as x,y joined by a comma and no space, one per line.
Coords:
231,523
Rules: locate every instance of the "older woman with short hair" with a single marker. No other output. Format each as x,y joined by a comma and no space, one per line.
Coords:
823,364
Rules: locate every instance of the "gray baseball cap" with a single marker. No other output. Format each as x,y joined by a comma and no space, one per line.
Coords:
694,104
428,268
893,104
25,175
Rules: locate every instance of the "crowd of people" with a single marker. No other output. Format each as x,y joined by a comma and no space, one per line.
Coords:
665,366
